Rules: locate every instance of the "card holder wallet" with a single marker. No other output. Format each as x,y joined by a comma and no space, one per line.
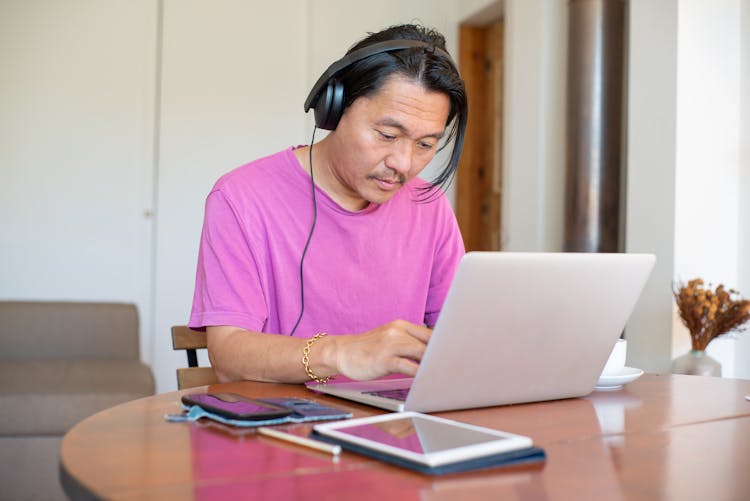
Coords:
298,410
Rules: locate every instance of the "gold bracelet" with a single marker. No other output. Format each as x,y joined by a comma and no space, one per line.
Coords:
306,359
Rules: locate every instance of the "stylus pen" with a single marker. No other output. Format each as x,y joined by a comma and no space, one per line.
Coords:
296,439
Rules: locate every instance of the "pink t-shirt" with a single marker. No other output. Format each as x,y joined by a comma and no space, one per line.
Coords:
363,269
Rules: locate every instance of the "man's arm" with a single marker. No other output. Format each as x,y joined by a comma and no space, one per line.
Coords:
239,354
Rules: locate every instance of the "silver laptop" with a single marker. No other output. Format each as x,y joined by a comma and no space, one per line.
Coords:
514,328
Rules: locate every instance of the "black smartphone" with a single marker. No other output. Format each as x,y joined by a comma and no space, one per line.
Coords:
233,406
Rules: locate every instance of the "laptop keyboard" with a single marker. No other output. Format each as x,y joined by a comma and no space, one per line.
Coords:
394,394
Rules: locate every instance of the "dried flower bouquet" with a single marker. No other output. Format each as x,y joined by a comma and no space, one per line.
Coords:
709,313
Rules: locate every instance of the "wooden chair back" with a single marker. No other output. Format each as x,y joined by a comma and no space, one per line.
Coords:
185,338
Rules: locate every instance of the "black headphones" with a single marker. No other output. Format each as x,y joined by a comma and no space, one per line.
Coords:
327,95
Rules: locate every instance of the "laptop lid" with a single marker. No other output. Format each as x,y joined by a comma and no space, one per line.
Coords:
521,327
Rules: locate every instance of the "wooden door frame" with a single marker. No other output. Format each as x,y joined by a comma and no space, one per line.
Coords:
479,176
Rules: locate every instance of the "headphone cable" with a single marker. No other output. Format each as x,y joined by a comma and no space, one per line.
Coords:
309,237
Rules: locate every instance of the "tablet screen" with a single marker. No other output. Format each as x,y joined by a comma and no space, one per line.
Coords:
420,435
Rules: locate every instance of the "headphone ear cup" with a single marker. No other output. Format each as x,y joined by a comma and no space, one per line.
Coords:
330,106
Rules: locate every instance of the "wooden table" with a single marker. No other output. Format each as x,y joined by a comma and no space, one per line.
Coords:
660,437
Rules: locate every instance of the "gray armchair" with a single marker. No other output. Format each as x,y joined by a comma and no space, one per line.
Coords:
59,363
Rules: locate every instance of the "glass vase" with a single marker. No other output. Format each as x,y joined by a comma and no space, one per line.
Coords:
696,363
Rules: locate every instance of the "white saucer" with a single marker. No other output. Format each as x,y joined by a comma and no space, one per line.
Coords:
615,382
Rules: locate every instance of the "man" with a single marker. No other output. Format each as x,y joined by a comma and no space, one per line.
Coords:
335,258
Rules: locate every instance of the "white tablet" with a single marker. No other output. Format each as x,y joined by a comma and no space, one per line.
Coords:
423,438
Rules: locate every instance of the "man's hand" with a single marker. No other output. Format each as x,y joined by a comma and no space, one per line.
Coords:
396,347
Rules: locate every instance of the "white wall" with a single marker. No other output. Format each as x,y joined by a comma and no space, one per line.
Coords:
76,143
651,136
708,188
534,161
479,12
707,192
743,279
335,25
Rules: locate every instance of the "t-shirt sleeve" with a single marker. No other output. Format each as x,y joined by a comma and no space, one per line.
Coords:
228,283
449,249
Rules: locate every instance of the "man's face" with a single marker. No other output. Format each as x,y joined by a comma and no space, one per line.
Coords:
384,140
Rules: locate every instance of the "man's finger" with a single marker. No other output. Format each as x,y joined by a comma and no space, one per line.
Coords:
420,332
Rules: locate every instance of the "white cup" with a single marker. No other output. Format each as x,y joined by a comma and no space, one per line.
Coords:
616,361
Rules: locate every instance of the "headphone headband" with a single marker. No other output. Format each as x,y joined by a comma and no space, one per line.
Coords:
351,58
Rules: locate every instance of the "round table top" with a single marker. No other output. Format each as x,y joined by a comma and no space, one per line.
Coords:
650,439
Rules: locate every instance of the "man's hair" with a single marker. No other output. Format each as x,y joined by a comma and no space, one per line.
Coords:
434,70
